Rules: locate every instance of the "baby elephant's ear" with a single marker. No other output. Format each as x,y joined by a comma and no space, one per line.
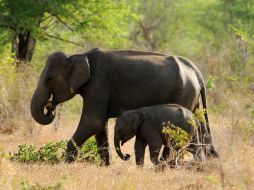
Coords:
136,120
80,71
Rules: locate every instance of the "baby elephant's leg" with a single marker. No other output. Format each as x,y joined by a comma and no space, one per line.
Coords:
165,153
196,151
154,152
140,146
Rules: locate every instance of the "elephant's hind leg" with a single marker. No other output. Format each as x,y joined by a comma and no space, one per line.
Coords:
196,151
154,153
165,154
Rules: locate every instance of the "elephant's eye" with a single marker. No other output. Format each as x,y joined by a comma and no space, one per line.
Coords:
49,78
48,81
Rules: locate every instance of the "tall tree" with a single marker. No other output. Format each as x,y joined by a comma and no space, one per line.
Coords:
22,22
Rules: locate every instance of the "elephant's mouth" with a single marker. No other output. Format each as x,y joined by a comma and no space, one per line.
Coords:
50,109
123,141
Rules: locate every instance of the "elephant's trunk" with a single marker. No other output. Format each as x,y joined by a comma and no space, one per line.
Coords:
118,150
39,103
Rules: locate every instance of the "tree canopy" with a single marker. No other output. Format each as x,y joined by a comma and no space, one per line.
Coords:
22,22
203,30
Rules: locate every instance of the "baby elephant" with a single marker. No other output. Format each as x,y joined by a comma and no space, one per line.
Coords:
146,124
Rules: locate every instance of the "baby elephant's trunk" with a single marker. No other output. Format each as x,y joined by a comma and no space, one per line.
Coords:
118,150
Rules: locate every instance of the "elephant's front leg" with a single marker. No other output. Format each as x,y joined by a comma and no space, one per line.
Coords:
92,122
89,125
84,131
140,146
103,146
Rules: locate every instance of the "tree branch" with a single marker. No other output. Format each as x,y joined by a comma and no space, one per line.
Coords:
64,40
7,26
46,18
64,23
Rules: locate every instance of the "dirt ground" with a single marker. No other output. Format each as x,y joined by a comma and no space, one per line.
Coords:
234,170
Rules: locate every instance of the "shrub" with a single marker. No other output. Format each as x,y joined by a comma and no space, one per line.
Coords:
89,152
54,152
27,153
178,136
25,185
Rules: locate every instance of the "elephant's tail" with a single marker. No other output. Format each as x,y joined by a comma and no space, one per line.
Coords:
203,98
209,150
208,135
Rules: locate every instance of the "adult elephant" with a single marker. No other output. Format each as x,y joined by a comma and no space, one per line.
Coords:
111,82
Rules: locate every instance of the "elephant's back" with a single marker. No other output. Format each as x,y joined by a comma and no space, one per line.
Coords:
168,113
129,53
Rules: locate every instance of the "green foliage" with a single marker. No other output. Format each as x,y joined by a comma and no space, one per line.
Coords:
245,36
197,118
200,115
89,152
233,78
7,68
210,83
102,21
7,78
178,136
54,152
15,96
212,179
27,153
25,185
200,30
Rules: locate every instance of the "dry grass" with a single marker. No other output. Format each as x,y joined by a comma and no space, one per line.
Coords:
235,169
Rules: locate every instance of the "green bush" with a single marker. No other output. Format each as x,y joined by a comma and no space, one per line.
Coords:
54,152
27,153
210,84
89,151
178,136
25,185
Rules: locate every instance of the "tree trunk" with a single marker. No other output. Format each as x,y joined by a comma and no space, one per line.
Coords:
23,46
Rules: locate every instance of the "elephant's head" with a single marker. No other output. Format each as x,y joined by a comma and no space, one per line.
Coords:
126,128
59,81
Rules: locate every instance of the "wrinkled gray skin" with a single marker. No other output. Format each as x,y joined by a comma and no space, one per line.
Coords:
111,82
146,124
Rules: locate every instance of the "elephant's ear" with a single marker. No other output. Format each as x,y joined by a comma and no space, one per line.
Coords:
80,71
136,120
